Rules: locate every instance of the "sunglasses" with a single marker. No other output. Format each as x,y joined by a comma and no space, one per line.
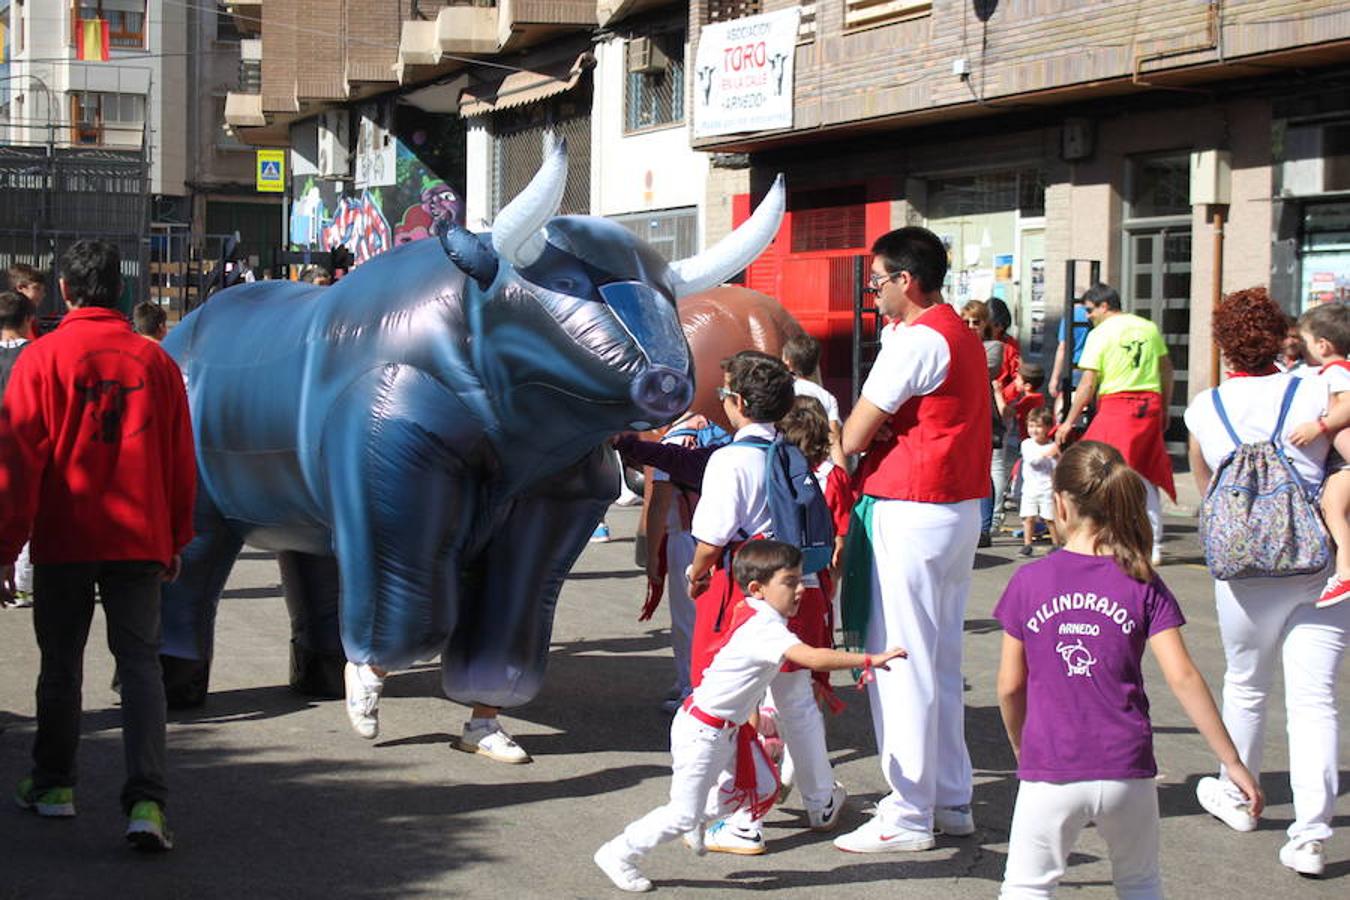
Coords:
723,393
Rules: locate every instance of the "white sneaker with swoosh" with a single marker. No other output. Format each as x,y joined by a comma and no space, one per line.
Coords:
875,836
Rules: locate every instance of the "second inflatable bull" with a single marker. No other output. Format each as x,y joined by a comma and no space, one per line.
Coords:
434,425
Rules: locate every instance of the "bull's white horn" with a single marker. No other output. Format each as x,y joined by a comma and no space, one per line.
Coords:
518,230
735,251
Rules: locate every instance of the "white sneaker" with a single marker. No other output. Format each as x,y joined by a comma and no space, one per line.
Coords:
1307,858
363,699
1225,804
722,837
876,837
956,821
619,867
693,839
827,819
492,742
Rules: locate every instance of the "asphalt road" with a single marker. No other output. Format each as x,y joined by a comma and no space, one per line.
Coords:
273,795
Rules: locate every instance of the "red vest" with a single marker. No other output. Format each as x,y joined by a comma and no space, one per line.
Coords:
940,452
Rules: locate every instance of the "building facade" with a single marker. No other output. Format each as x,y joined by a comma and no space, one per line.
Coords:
1152,143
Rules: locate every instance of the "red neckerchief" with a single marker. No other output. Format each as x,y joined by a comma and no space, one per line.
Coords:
1336,364
1269,370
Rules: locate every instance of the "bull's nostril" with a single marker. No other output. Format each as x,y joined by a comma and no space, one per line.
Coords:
668,384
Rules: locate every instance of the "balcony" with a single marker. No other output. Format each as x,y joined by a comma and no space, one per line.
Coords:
607,12
244,110
481,28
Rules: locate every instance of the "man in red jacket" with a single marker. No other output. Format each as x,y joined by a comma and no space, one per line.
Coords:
96,462
925,424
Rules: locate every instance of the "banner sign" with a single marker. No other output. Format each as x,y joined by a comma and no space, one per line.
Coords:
743,74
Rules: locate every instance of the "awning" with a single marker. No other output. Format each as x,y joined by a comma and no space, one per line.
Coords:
522,87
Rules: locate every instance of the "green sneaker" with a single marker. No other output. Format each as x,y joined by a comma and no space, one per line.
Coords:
147,829
57,802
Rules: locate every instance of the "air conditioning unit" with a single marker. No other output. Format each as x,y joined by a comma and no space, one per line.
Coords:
645,58
333,143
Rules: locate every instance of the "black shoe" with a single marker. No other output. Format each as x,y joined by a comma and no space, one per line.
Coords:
985,540
1026,550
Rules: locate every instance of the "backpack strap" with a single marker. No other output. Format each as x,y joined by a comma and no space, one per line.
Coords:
1223,417
1284,410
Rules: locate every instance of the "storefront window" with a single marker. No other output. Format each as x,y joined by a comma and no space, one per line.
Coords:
1325,253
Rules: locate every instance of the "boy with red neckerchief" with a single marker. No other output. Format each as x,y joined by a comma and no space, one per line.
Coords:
1326,335
709,739
734,509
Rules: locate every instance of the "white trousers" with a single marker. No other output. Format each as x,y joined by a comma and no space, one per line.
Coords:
700,757
679,554
1048,818
23,571
1265,623
923,556
1153,503
802,727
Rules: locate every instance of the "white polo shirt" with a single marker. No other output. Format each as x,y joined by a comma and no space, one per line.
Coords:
740,673
805,387
733,505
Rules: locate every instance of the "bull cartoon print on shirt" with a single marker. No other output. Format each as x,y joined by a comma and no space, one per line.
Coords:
1077,658
107,402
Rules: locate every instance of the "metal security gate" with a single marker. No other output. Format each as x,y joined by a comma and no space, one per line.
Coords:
518,142
54,197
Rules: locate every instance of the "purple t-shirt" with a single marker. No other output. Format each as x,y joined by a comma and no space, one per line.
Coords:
1084,623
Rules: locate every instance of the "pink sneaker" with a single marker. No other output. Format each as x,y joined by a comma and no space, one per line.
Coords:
1336,591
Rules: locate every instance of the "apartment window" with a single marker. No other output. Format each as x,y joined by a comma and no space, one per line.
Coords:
226,28
725,10
654,89
1160,186
870,13
92,113
125,18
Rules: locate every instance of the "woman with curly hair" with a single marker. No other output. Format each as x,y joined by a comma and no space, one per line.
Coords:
1264,622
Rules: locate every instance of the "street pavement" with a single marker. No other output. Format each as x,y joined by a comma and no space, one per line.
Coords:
273,795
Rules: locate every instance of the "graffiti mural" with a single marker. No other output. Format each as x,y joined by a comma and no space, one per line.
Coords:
325,213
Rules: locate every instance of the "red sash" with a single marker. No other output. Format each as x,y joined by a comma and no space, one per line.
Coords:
1133,422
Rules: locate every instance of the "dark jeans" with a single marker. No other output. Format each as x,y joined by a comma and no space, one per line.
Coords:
63,607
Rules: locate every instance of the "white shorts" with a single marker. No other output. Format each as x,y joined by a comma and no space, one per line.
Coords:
1042,505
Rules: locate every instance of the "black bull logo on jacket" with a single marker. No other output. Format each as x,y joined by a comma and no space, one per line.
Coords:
107,404
423,442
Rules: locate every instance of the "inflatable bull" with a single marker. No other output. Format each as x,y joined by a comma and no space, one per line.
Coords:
426,435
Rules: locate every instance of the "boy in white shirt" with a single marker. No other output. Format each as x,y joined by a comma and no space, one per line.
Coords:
1039,453
709,732
733,508
801,354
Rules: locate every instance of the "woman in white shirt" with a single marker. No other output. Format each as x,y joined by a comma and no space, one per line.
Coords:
1268,621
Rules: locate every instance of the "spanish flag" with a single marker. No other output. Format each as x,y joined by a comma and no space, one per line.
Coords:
91,40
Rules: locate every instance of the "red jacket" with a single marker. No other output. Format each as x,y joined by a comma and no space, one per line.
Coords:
96,457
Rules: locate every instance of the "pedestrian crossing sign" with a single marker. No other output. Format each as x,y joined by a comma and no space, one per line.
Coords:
271,171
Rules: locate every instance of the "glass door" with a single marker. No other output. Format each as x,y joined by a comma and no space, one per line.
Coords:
1158,288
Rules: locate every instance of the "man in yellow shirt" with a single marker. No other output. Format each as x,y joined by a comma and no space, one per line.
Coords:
1126,366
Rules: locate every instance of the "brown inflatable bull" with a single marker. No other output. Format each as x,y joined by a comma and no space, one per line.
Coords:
724,321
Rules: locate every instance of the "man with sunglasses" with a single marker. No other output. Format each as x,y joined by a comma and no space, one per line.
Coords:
924,424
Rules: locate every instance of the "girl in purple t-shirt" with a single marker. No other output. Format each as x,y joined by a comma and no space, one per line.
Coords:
1071,688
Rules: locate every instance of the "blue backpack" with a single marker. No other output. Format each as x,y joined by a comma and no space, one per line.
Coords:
1258,519
797,506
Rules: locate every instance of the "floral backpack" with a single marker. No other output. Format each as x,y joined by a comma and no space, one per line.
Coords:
1258,519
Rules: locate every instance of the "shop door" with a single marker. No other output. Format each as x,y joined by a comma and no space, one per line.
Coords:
1029,311
1158,284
